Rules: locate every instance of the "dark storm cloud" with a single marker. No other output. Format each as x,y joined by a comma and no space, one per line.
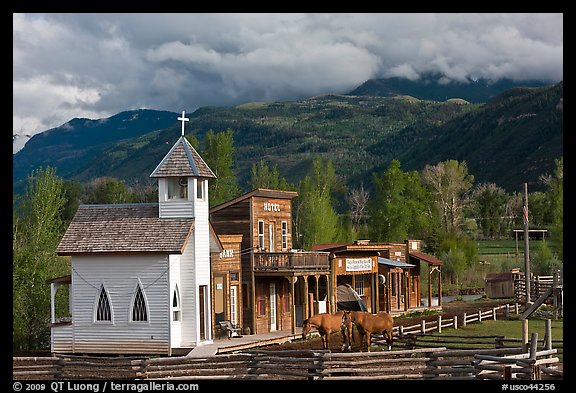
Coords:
95,65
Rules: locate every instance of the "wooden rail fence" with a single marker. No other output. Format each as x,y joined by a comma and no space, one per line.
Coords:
426,357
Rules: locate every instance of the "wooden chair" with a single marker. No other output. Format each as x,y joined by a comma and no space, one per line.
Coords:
230,329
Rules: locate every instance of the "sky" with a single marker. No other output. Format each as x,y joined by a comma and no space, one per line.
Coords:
93,66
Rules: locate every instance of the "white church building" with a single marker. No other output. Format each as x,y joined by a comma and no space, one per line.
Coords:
140,279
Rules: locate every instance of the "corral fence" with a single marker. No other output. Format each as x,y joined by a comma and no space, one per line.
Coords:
421,363
425,356
539,285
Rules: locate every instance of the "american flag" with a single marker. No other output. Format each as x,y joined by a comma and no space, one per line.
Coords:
525,212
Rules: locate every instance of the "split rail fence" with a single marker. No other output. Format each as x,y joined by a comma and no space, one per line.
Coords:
523,360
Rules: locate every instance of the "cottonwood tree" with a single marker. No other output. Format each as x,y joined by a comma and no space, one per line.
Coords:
219,155
108,190
261,176
489,206
36,231
449,182
315,219
401,207
555,183
357,199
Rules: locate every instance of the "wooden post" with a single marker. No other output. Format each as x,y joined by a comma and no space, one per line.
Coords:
533,345
293,308
525,334
455,321
440,323
423,326
401,331
494,313
464,320
305,306
507,311
548,334
479,315
536,373
555,294
439,287
507,372
429,286
526,246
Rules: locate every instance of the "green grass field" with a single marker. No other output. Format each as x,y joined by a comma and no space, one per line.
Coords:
507,328
491,247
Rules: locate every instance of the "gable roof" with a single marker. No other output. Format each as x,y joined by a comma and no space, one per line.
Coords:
124,228
258,192
182,160
426,258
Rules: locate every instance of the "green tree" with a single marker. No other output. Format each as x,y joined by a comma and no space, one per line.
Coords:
489,205
261,176
459,253
544,262
107,190
315,219
36,231
449,182
218,154
555,193
72,191
402,207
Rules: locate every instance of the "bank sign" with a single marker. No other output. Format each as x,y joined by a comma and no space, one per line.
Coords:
358,264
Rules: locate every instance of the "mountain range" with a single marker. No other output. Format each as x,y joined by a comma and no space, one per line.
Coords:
508,135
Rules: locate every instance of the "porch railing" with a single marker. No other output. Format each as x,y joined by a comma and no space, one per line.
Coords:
289,261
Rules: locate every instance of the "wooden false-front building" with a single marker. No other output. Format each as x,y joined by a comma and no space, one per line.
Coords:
386,275
226,282
280,286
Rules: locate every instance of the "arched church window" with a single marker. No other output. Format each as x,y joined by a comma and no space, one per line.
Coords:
139,308
103,307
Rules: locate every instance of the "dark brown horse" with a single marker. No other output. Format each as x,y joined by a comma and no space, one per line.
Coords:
327,324
367,324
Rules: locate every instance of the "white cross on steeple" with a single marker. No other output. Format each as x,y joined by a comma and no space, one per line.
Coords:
183,119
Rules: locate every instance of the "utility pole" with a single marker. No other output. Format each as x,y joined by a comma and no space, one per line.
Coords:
526,246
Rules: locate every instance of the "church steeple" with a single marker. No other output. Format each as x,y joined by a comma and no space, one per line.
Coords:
182,179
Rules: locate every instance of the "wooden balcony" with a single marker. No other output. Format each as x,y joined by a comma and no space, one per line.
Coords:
291,261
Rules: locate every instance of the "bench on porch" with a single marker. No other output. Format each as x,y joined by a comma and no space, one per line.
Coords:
230,329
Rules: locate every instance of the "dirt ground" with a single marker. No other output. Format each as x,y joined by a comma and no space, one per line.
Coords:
448,311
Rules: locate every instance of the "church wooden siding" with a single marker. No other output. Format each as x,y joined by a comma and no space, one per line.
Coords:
195,276
175,281
121,336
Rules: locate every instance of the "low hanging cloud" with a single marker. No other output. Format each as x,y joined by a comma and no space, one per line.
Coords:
96,65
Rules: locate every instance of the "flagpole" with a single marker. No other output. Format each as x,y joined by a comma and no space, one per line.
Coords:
526,246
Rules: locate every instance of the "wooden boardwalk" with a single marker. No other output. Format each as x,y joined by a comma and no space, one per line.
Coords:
225,345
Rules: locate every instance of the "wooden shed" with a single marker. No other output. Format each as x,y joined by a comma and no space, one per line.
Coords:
500,285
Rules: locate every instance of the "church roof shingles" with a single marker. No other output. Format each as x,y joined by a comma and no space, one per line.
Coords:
182,160
124,228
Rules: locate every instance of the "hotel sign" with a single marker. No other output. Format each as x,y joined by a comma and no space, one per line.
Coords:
358,264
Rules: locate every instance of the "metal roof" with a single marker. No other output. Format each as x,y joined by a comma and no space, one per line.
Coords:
390,262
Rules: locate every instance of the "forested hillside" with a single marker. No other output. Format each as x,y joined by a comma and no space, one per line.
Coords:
512,139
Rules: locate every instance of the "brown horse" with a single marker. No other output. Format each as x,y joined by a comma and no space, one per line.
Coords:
327,324
367,324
